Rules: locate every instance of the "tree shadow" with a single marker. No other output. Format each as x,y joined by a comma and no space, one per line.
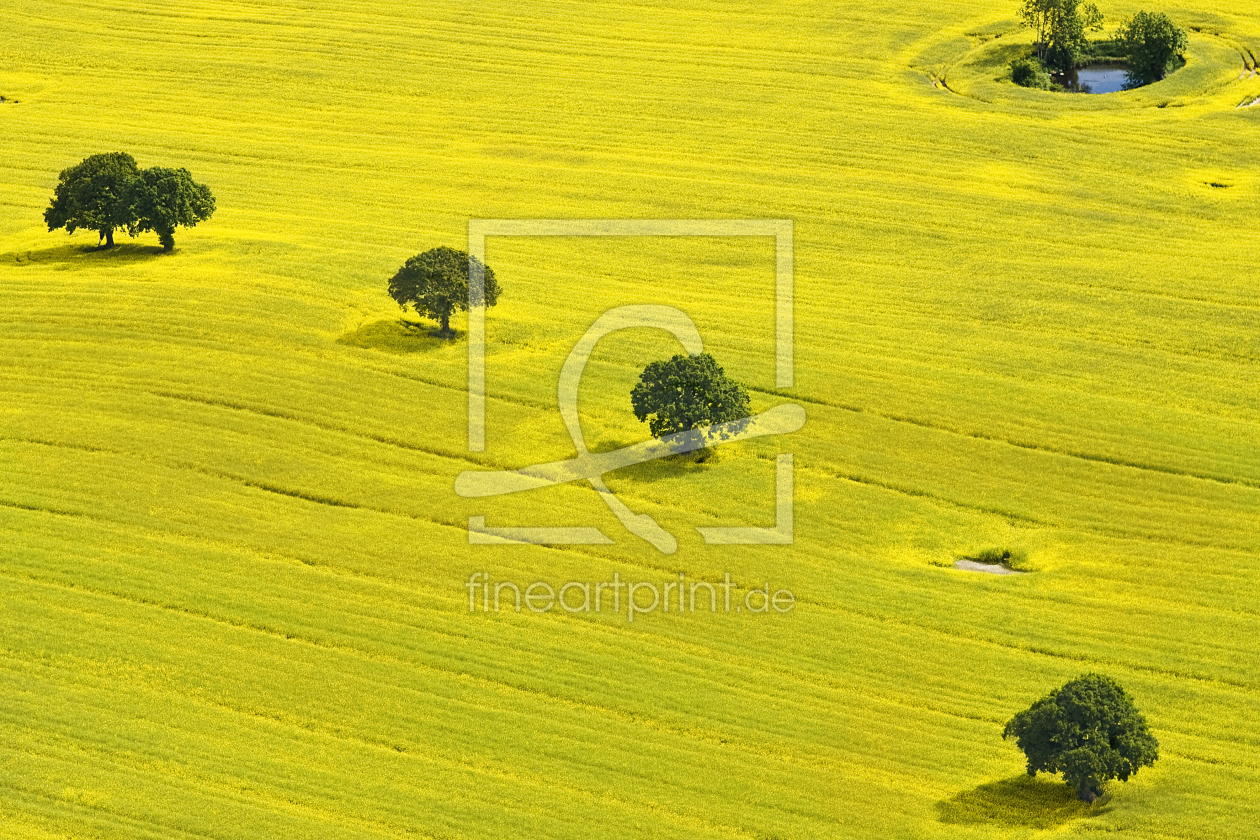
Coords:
127,252
397,336
670,466
609,444
1018,802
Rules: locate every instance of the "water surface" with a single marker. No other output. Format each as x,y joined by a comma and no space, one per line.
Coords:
1096,78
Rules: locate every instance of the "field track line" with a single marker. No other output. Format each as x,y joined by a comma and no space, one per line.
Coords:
1017,517
329,501
144,828
846,608
51,511
1032,447
328,427
503,687
609,713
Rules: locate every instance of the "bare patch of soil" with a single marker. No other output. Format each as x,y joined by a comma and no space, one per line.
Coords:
988,568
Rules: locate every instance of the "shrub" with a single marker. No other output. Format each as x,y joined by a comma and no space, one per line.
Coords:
1012,558
1029,73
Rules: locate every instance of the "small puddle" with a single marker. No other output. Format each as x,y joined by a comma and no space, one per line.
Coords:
1096,78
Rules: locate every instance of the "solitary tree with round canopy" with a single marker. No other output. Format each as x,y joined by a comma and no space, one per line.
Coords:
435,284
95,194
169,198
1088,730
687,392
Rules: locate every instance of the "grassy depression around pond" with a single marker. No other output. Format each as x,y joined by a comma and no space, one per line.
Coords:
1210,77
233,564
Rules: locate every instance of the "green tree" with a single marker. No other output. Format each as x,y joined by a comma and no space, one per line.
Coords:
107,192
1028,72
96,195
435,284
685,393
1060,28
1152,43
166,199
1088,730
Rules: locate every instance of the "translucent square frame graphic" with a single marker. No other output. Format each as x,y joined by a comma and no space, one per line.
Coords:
479,229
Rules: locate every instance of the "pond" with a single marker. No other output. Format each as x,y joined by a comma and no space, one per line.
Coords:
1096,78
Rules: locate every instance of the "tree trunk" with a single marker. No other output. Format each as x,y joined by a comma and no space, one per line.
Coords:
108,234
446,325
167,240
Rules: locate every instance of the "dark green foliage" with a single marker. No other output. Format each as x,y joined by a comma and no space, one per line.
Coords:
1089,730
685,393
1060,27
1029,73
1005,556
169,198
1152,43
107,192
435,284
96,195
1105,51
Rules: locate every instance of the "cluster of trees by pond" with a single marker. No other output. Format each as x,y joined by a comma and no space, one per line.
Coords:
1149,44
